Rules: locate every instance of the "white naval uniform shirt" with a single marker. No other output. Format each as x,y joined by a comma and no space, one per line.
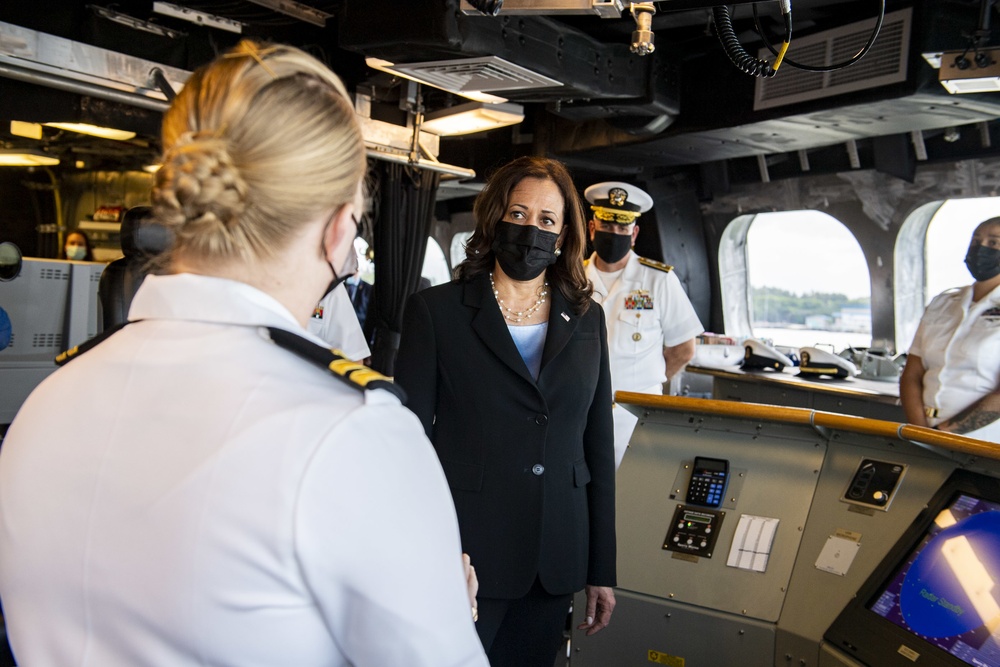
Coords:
647,310
959,344
188,493
336,323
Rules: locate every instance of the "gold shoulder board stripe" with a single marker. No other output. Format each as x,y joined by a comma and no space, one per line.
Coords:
653,264
69,355
354,374
821,370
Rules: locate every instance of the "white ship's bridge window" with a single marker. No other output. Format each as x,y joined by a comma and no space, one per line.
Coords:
795,278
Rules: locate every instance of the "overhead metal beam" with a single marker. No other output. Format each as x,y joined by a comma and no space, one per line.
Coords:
56,62
296,10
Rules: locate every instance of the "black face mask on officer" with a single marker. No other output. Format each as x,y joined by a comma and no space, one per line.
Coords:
611,247
983,262
524,251
350,266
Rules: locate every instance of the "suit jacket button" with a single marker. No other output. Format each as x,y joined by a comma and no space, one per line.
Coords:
538,469
541,420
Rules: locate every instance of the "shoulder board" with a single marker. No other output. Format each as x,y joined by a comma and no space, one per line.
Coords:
653,264
354,374
586,262
72,353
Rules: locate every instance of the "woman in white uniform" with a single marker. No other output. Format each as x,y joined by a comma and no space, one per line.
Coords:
195,489
952,373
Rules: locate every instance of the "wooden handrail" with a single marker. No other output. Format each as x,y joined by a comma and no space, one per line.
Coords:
776,413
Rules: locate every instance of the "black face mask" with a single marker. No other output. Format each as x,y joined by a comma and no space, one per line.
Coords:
611,247
349,268
524,251
983,262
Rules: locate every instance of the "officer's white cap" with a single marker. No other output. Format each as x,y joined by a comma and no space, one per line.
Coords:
618,198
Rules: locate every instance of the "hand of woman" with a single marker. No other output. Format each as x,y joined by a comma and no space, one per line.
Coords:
472,584
600,604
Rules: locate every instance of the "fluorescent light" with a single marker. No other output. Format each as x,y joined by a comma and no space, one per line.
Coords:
986,84
26,158
456,88
480,79
963,72
472,117
94,130
19,128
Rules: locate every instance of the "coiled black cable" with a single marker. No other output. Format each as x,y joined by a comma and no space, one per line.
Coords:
744,62
826,68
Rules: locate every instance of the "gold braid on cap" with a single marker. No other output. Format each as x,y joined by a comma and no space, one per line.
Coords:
614,215
250,50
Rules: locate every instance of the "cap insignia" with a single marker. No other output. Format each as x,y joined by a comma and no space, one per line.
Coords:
617,196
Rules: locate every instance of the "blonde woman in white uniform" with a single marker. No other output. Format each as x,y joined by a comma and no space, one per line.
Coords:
194,489
952,375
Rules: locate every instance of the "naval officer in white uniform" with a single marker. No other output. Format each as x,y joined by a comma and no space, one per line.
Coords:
209,485
651,323
952,376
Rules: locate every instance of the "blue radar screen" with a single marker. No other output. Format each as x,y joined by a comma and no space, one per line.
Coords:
951,587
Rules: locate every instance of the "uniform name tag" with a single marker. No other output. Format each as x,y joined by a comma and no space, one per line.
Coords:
639,299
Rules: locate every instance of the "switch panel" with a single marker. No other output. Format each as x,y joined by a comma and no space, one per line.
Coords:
694,531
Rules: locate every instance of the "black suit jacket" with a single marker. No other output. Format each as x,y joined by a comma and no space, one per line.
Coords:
360,297
530,464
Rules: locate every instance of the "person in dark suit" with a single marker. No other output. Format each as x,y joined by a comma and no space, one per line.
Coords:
360,293
507,369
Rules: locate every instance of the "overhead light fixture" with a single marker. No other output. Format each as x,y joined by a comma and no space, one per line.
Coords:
20,128
297,10
472,117
135,23
10,157
94,130
964,72
196,17
475,78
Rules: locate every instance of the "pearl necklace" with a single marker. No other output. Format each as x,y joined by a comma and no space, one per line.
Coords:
520,315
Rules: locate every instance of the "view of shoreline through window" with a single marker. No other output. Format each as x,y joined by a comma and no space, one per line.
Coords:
809,282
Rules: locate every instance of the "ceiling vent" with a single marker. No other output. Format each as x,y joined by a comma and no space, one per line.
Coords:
467,76
883,65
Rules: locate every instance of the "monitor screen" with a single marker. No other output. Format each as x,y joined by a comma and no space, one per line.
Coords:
946,590
936,596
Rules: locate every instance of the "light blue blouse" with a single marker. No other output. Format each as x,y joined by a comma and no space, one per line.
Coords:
530,340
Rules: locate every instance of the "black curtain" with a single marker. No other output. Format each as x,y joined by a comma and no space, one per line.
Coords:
405,213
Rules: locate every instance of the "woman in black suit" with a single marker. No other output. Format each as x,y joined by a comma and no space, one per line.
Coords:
507,369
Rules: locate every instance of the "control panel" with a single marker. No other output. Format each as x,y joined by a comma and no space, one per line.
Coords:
874,484
694,531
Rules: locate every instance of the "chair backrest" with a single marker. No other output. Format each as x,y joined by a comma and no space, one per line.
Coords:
142,239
